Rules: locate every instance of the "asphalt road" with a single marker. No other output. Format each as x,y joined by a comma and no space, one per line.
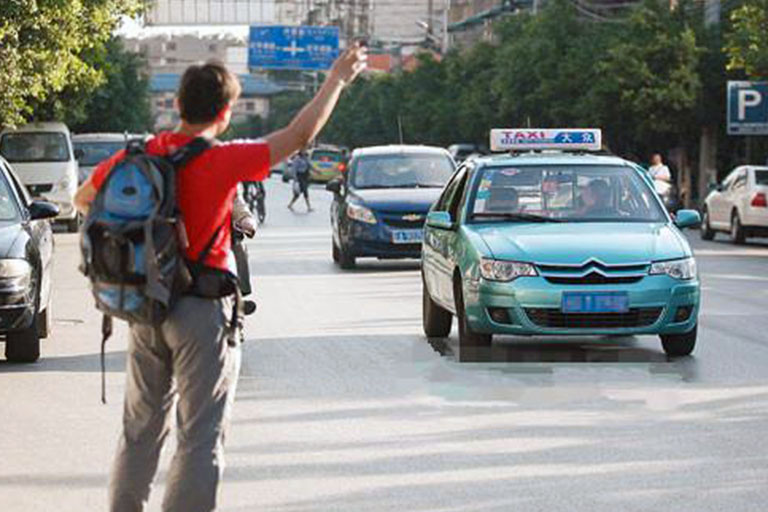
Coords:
343,405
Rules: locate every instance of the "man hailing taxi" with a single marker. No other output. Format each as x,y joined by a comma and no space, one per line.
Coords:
188,359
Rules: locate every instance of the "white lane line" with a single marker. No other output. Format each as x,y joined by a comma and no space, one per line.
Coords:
735,277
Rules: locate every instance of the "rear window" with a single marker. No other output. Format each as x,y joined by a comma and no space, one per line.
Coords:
34,147
761,177
94,152
327,156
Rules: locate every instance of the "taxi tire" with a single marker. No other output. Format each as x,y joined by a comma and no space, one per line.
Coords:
346,260
436,320
679,345
23,346
467,337
707,233
738,233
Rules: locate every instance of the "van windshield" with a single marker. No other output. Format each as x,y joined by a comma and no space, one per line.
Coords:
34,147
96,151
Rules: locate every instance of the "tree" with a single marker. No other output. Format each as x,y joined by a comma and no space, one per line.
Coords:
747,42
43,45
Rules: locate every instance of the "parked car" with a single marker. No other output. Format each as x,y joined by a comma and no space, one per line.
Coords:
92,148
327,163
381,203
43,157
558,243
26,250
738,205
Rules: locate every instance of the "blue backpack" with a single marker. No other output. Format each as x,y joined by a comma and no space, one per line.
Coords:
133,238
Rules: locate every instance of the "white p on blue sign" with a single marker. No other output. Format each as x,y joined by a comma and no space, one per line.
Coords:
747,108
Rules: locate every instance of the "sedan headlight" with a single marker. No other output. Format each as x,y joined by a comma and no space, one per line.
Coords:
15,274
361,213
683,269
500,270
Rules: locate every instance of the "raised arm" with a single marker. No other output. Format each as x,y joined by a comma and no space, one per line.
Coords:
311,119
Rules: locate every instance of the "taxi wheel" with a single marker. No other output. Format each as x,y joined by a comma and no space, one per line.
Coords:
738,236
467,337
436,320
346,260
678,345
706,230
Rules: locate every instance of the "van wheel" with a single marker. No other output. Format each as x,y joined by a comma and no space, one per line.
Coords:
706,230
467,337
435,320
73,225
738,234
678,345
23,346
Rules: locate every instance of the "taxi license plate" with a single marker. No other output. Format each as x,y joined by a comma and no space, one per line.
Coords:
595,302
407,236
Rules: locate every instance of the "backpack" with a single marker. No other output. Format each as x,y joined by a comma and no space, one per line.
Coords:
133,238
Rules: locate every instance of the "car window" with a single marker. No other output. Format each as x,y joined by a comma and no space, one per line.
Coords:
402,171
96,151
761,177
578,193
9,207
455,200
34,147
21,191
739,181
729,179
450,189
319,155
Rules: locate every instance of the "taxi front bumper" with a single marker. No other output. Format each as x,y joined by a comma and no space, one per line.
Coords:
658,304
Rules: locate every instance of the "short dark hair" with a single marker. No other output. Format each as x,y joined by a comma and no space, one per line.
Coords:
205,91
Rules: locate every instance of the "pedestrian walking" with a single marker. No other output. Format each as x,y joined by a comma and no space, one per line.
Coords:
301,173
189,361
658,170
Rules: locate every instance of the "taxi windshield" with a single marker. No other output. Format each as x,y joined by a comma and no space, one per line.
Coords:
402,171
96,151
326,156
563,193
34,147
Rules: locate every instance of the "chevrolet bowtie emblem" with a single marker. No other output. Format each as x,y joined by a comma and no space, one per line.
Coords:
412,217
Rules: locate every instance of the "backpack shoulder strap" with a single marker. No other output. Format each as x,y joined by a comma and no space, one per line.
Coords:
189,151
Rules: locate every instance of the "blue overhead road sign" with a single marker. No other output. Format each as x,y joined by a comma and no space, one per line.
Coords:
747,108
292,47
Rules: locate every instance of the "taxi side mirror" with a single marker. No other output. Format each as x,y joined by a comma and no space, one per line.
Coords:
334,186
439,220
687,218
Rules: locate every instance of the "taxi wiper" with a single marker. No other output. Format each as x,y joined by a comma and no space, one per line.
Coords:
523,217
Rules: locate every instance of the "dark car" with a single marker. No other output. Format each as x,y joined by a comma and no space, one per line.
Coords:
26,249
381,203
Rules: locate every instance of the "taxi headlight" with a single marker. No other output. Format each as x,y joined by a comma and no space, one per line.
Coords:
361,213
15,273
500,270
683,269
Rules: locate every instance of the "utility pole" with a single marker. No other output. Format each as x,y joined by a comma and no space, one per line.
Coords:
430,14
708,139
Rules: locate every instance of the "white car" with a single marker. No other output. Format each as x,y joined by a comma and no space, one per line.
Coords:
43,157
738,205
92,148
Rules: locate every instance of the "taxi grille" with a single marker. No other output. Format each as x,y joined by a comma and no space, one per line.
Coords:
593,278
555,318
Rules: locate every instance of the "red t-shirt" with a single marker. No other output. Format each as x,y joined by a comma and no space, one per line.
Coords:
206,187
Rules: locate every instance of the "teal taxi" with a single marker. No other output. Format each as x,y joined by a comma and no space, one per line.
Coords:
554,238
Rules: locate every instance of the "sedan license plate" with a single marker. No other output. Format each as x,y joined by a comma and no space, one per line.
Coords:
407,236
595,302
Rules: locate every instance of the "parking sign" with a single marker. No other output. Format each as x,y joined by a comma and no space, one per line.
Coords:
292,47
747,108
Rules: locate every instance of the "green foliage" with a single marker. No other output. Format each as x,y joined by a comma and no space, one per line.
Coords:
747,42
45,47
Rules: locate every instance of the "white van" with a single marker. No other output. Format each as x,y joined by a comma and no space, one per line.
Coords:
92,148
42,156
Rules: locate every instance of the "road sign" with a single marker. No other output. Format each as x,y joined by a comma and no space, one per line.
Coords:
292,47
747,108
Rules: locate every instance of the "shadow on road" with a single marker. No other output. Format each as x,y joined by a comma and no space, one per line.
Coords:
115,362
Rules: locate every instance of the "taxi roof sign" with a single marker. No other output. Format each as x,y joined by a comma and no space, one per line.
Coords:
525,139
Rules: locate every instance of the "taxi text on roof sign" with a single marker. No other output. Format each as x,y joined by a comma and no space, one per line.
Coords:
522,139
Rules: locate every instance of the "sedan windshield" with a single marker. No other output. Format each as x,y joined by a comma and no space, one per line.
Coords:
562,193
34,147
402,171
96,151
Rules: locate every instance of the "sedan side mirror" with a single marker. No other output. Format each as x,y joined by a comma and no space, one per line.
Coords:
687,218
333,186
439,220
39,210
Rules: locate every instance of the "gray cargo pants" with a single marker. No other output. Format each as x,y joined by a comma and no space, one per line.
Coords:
188,361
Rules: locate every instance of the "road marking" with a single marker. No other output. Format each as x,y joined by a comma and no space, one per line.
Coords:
736,277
